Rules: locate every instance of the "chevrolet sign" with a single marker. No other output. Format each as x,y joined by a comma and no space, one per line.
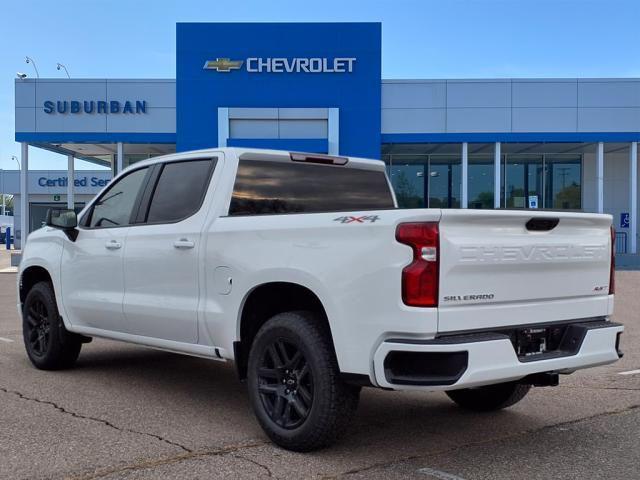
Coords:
284,65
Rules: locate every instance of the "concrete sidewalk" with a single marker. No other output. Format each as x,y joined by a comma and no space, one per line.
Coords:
5,261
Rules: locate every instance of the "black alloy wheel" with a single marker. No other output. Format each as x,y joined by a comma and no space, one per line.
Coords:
285,384
48,343
294,383
38,325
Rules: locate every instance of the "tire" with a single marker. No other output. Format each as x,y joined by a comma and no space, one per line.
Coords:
490,397
49,345
294,385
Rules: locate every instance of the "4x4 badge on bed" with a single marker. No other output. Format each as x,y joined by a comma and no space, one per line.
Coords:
366,218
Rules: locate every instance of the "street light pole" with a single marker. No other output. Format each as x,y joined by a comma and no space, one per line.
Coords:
30,60
61,65
17,161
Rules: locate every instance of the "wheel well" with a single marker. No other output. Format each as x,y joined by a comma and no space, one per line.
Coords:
30,277
263,303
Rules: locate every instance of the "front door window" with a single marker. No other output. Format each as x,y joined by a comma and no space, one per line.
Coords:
114,208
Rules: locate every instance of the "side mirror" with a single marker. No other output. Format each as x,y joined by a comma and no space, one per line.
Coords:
64,219
61,218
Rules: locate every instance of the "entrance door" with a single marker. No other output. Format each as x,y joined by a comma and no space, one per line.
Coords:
523,183
549,181
444,181
426,181
563,182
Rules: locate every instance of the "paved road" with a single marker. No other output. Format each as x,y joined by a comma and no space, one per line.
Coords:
131,413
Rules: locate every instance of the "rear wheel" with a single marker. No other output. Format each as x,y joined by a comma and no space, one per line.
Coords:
294,385
490,397
49,345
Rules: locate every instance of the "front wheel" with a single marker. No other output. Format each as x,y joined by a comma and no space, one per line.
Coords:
490,397
49,345
294,383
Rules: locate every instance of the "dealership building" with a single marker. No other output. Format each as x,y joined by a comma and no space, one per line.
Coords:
559,144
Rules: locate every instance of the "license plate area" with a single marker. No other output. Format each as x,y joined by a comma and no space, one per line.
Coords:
537,342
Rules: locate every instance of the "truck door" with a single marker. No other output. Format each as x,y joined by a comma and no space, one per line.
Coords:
163,254
92,275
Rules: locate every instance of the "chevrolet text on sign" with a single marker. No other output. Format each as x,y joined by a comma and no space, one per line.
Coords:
284,65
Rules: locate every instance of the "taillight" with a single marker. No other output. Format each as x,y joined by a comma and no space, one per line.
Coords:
612,270
420,277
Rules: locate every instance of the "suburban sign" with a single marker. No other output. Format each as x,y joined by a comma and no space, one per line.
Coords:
94,106
284,65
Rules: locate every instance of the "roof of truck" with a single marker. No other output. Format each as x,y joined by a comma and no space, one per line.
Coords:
268,155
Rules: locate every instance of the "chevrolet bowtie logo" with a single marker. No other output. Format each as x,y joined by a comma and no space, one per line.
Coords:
223,64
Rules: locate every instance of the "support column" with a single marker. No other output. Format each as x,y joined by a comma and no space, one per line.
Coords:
333,134
119,158
223,126
24,194
3,200
600,177
633,198
464,187
70,182
497,185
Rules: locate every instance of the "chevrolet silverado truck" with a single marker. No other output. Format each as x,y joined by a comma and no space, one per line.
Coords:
301,269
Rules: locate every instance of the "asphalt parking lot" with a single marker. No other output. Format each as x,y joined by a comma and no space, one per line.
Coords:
127,412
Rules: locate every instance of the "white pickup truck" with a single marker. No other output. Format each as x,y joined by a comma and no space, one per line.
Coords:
301,269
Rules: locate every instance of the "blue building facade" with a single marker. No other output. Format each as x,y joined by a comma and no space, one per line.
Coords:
280,66
448,143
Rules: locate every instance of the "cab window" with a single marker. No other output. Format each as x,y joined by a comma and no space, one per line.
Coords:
115,207
180,190
267,188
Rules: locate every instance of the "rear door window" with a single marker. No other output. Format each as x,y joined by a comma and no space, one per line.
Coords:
264,187
180,190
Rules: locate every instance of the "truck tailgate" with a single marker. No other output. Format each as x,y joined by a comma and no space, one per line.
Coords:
500,268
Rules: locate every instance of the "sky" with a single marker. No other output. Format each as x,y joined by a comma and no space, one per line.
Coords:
420,39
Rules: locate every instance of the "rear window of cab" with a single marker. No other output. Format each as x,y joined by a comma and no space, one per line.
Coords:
267,188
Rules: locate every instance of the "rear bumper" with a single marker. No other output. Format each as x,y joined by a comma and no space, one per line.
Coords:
471,360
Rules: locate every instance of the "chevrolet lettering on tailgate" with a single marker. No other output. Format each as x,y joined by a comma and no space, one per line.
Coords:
532,253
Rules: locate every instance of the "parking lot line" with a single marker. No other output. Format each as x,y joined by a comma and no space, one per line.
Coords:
7,340
629,372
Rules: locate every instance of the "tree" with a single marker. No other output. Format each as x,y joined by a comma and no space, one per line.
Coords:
8,204
406,192
483,200
568,197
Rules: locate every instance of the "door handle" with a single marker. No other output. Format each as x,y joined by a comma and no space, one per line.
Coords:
184,243
113,245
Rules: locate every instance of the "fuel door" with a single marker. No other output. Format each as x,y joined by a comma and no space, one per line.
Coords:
222,280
